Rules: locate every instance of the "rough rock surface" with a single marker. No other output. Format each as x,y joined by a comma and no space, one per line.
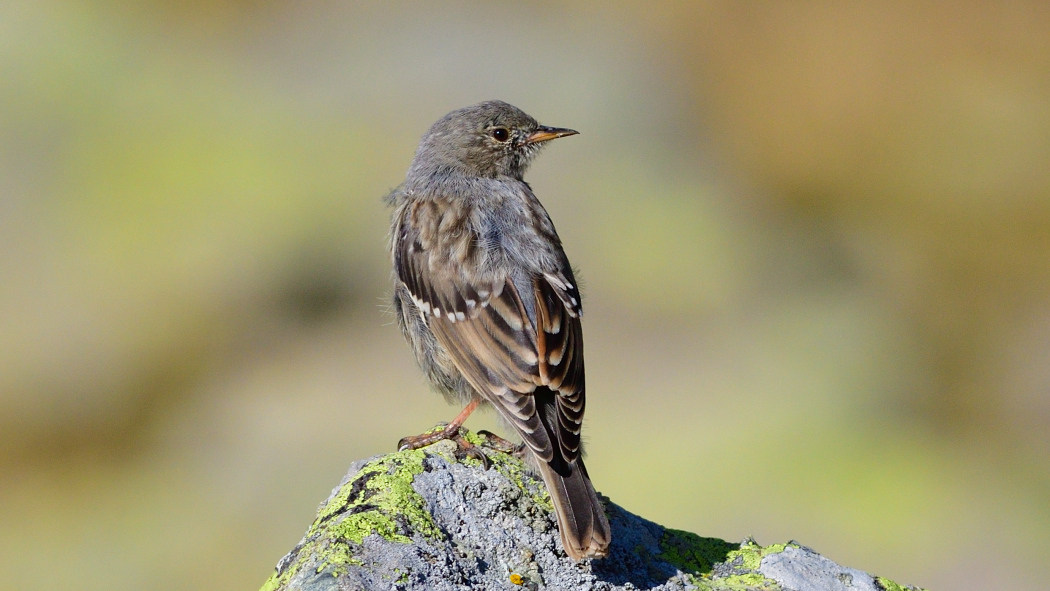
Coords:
422,519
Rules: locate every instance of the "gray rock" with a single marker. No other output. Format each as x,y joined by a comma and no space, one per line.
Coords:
422,519
801,569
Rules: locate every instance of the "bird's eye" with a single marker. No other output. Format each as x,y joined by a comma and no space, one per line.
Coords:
500,134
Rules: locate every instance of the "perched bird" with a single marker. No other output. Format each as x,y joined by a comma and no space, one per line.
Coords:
486,297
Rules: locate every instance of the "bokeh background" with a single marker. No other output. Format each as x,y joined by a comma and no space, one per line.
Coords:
814,238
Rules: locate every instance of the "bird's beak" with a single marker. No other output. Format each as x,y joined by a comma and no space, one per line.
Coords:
544,133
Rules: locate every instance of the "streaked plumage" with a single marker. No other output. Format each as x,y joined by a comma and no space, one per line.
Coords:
486,297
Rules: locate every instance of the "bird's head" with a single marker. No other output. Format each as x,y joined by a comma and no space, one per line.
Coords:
489,139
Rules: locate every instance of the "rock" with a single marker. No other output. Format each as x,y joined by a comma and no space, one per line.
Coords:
422,519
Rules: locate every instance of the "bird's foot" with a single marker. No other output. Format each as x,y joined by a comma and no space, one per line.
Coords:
493,441
452,432
466,449
438,433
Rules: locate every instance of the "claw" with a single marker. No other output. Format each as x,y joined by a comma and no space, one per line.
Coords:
466,450
442,431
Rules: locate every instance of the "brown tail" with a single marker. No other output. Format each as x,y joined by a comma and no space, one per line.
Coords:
581,518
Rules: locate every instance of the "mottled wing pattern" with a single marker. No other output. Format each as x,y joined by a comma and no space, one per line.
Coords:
560,351
431,247
486,328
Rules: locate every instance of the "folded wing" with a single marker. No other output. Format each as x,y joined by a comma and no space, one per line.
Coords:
508,336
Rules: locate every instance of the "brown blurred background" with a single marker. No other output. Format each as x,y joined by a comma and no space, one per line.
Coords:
814,237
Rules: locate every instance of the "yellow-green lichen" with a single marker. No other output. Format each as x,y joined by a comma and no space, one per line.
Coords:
691,553
889,585
378,500
273,583
518,473
280,577
751,554
747,582
739,563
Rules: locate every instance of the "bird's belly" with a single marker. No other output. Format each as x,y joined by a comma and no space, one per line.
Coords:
430,354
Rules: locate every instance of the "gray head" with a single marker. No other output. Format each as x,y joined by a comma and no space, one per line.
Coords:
489,139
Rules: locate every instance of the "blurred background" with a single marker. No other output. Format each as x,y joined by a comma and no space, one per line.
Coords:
814,240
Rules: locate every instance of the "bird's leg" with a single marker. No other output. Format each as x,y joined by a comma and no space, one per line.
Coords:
450,431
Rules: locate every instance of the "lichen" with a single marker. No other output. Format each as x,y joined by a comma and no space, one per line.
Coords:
519,473
751,554
378,500
888,585
273,583
691,553
732,567
748,582
375,499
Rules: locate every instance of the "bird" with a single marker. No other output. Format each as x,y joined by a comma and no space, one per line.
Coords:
486,298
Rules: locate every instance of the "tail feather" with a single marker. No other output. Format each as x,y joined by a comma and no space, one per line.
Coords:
584,528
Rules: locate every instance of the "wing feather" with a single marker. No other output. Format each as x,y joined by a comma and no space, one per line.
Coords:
502,350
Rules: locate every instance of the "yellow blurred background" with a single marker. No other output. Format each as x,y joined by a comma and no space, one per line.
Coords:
814,239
